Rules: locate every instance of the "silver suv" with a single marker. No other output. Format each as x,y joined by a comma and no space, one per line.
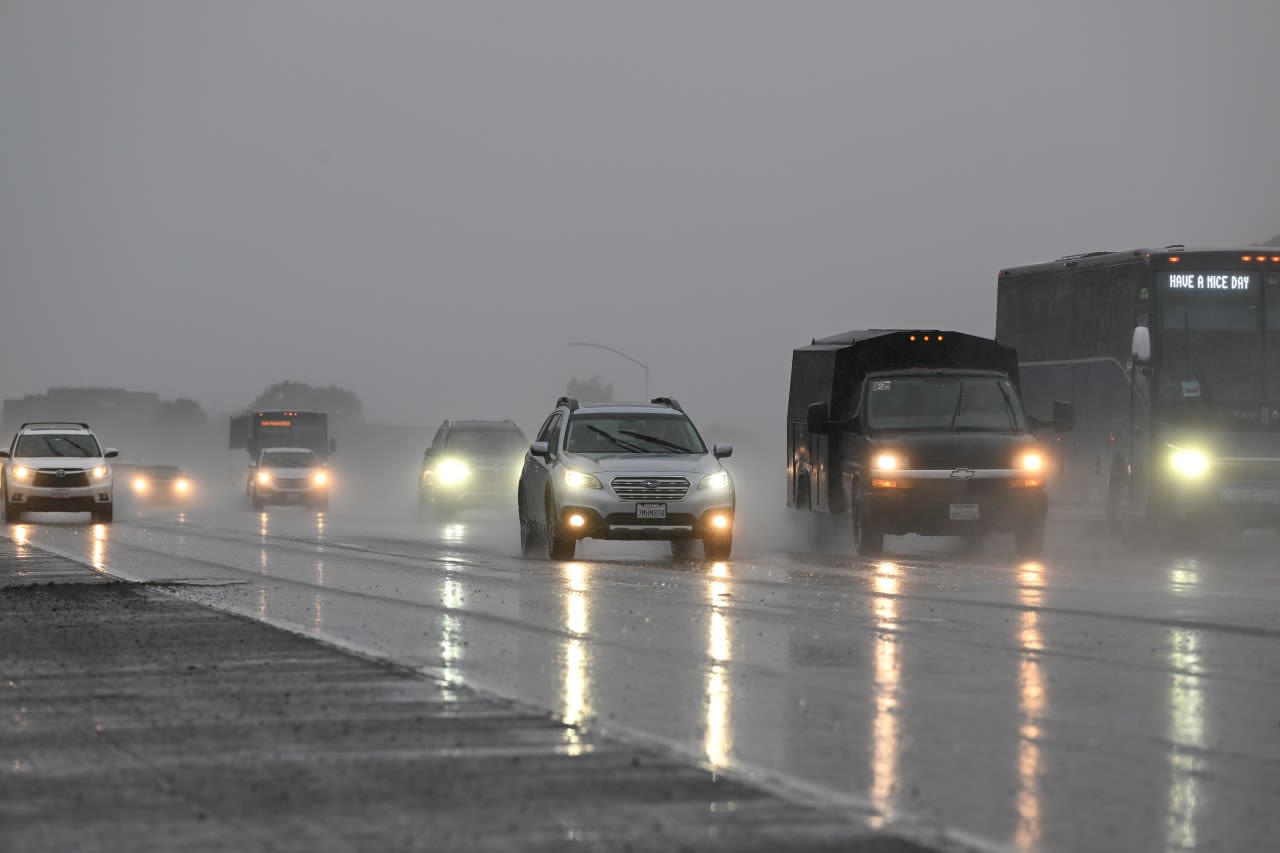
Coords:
53,466
624,471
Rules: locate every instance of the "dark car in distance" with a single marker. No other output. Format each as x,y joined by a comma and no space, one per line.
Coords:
471,463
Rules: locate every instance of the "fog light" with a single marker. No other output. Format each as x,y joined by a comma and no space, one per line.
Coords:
720,522
577,520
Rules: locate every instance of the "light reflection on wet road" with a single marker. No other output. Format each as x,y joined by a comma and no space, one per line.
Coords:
1097,699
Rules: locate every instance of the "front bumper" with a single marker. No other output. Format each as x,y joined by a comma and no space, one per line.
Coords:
608,517
956,508
76,499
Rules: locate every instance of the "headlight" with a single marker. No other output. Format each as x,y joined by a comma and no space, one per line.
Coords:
451,472
21,472
140,484
578,480
886,462
717,482
1191,464
182,485
1031,462
321,478
264,478
100,473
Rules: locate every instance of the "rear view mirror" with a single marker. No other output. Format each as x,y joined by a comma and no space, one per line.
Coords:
818,417
722,451
1064,415
1141,347
333,445
540,449
110,453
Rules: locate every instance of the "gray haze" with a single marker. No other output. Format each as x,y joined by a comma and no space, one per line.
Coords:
425,202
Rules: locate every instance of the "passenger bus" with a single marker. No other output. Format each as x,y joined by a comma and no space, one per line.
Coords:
282,428
1172,359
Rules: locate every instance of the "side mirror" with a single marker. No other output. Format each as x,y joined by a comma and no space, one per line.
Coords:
1064,415
110,453
540,449
722,451
1141,347
253,464
4,454
333,445
818,417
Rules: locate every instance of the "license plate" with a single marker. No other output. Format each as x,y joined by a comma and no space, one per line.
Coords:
60,493
651,510
1249,496
964,512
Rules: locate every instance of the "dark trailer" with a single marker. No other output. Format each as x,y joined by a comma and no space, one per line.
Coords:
1172,357
912,432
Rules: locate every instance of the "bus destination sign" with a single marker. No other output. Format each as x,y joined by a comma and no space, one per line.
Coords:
1239,282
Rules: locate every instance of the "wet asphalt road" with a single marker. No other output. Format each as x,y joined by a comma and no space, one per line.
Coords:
1106,697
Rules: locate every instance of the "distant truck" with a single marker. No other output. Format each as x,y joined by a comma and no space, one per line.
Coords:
257,431
916,431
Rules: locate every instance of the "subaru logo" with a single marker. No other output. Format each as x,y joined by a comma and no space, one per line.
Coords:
962,474
651,484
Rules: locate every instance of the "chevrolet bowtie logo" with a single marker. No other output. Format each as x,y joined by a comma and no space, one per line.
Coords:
962,474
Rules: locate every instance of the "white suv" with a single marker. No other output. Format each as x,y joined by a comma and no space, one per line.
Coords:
624,471
283,475
57,467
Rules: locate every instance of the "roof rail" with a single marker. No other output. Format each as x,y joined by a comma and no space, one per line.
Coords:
570,402
670,402
54,423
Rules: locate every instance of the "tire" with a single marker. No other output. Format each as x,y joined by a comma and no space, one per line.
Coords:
1028,540
12,513
321,504
103,515
559,546
256,501
868,537
682,549
718,549
530,533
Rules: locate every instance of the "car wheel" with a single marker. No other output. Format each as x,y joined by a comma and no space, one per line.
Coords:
559,545
1028,540
719,548
682,549
868,537
321,504
103,515
257,502
530,533
12,513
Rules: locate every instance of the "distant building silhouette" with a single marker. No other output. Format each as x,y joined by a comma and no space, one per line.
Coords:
106,410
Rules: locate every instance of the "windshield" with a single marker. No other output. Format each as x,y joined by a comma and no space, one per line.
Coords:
1211,326
632,433
57,444
943,403
486,442
289,459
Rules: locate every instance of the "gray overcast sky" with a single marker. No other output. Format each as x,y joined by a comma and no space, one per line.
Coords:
424,202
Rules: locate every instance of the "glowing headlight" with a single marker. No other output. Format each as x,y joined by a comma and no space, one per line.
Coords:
21,472
182,485
885,462
320,478
451,472
717,482
1031,462
264,478
578,480
100,473
140,484
1189,463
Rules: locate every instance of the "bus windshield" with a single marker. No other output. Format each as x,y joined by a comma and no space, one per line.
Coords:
943,403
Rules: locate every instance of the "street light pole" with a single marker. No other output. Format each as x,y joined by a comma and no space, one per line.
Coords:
639,364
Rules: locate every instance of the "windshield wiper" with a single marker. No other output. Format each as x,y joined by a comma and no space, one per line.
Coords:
678,448
83,450
52,450
625,445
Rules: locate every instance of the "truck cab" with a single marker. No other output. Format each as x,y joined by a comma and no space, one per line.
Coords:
916,431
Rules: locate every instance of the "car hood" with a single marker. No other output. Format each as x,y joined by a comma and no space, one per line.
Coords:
73,463
643,463
290,472
923,451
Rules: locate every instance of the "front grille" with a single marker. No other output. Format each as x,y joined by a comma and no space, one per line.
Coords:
48,478
291,484
1246,470
650,488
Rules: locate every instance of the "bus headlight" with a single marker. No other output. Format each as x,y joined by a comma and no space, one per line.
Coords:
717,482
1190,464
451,472
578,480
